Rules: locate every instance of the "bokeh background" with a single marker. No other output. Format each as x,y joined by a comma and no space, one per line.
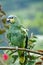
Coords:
30,13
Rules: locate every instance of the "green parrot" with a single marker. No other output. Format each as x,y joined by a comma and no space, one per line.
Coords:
17,36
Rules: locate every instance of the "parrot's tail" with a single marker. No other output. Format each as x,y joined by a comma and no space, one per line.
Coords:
22,58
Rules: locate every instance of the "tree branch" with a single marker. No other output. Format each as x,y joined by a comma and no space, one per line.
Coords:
21,49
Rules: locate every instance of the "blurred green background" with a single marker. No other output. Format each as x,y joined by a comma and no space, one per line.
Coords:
30,13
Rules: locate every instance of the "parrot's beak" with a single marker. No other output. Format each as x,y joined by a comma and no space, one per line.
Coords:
8,20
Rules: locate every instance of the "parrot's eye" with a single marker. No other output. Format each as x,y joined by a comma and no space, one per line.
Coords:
12,18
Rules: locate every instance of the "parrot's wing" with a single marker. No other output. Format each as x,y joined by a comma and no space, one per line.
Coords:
8,35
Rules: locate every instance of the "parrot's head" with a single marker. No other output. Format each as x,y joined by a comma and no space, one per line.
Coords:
11,19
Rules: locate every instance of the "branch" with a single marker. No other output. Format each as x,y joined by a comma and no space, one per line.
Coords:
21,49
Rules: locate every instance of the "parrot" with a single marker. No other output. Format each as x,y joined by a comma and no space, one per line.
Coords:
17,36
